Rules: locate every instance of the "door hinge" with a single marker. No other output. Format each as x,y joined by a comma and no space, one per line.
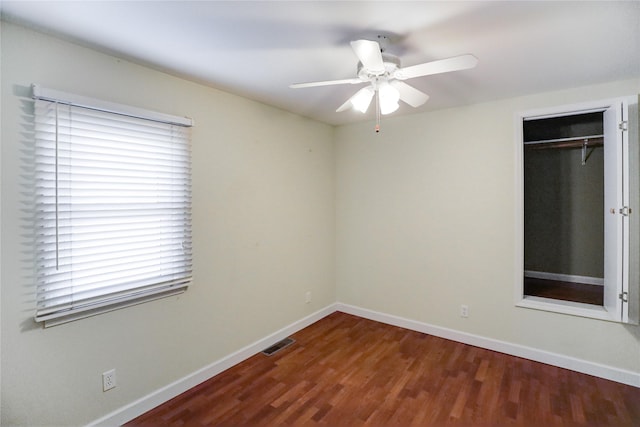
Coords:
623,126
625,211
624,296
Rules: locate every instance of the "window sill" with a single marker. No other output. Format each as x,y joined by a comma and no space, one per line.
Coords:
83,314
566,307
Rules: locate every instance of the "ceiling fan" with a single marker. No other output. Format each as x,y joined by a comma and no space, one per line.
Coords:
386,78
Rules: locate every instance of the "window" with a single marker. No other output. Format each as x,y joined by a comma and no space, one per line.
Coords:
577,196
113,206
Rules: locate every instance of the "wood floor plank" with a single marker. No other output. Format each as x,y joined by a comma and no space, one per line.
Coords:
567,291
348,371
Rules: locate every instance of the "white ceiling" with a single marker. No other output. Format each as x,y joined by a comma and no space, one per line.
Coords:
256,49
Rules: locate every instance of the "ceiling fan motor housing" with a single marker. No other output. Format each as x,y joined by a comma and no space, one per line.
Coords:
391,64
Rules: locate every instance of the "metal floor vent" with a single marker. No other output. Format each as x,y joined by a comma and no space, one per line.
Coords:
278,346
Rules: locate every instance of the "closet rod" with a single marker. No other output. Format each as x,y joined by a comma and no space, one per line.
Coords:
590,141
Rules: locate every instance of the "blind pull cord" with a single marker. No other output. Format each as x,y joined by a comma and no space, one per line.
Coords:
56,194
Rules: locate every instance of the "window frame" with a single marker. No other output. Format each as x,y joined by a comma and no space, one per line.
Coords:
137,292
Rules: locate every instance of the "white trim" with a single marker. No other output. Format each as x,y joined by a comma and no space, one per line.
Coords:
105,307
518,206
587,280
567,110
559,360
111,107
150,401
567,307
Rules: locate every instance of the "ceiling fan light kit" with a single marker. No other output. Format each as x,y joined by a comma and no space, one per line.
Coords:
385,77
389,97
361,100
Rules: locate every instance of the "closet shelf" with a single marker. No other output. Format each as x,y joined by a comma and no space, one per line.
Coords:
590,141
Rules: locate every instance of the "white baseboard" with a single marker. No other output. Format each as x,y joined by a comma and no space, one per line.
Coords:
588,280
146,403
559,360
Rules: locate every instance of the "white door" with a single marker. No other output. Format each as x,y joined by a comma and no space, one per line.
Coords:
616,221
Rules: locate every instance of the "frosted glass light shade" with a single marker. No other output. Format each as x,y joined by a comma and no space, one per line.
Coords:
389,97
362,99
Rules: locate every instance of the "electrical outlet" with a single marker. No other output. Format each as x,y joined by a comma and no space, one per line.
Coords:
108,380
307,297
464,310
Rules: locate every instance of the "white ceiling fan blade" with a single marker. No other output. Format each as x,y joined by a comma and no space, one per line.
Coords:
368,52
345,106
409,94
456,63
360,101
326,83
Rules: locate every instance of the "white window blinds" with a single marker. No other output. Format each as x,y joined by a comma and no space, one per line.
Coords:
113,210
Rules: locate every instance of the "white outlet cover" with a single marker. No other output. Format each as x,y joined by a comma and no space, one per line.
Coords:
464,311
108,380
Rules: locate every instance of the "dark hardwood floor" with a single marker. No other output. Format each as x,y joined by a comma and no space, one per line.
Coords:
349,371
567,291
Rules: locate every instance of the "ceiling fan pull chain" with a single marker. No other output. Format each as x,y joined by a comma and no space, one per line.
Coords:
377,110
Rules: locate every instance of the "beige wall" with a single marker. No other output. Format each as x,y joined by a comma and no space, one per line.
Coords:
426,220
263,227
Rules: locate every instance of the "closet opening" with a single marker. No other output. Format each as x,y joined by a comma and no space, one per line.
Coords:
578,204
563,207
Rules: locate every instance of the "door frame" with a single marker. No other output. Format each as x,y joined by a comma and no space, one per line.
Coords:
620,312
